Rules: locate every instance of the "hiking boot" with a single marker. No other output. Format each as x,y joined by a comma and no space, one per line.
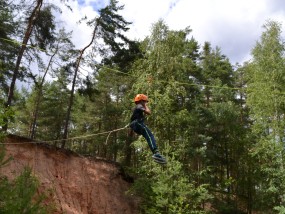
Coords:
158,158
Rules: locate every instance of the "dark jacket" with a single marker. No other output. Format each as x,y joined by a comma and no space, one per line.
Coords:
138,113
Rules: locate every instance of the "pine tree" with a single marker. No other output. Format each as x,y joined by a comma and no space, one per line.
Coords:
61,49
109,26
7,48
39,30
221,119
168,74
20,195
31,21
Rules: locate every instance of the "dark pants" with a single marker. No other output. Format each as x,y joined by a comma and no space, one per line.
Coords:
141,129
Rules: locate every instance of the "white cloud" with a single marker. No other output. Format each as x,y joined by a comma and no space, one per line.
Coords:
207,16
69,19
234,25
143,14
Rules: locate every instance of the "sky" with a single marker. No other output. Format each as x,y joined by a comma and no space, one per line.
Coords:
232,25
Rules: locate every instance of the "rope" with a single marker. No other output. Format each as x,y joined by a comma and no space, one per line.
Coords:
72,138
131,75
115,131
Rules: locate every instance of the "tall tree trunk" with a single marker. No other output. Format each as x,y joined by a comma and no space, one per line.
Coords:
38,99
27,35
65,133
128,148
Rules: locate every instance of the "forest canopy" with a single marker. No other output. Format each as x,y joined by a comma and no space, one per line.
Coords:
220,126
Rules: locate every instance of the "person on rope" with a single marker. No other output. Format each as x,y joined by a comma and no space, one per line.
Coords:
138,126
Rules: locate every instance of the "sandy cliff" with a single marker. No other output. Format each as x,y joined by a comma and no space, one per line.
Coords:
78,184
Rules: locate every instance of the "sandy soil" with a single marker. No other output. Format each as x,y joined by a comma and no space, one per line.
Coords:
77,184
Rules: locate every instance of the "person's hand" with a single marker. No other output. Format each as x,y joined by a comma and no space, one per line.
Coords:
147,110
144,103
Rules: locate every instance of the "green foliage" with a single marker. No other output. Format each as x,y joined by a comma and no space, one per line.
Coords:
112,25
7,49
280,209
168,189
266,101
266,82
3,161
105,102
5,114
52,110
221,129
19,196
44,27
199,119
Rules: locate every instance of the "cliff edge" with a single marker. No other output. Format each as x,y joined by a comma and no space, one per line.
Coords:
78,184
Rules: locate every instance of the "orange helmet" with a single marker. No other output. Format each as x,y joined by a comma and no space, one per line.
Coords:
140,97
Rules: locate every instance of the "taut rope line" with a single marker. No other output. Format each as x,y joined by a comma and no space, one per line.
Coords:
72,138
